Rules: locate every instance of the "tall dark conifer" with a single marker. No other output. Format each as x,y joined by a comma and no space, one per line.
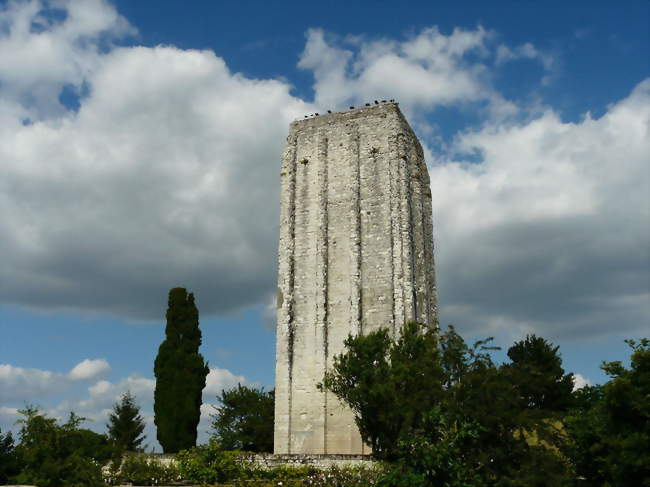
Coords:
180,375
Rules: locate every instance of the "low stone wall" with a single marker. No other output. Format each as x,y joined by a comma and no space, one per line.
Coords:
268,460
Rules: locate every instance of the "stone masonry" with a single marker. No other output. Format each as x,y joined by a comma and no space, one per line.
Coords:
355,255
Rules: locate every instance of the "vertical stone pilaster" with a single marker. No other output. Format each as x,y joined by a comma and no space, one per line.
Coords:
321,352
285,300
355,236
406,216
396,233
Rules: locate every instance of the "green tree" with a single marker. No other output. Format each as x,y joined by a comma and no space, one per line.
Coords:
627,407
54,455
244,420
443,413
125,424
536,371
480,398
389,385
586,427
609,426
8,460
180,375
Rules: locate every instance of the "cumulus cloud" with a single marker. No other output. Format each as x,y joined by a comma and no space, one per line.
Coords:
89,369
580,381
19,384
426,70
549,232
103,394
167,175
218,380
163,177
48,45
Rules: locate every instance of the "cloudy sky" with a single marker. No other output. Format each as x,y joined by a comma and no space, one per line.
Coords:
140,147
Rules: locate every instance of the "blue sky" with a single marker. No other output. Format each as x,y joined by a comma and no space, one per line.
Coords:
140,146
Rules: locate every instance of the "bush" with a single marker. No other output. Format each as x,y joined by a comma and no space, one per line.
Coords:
345,476
307,476
8,459
139,469
209,463
53,455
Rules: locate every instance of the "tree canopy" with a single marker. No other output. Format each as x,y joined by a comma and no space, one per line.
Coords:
244,420
59,455
180,375
444,413
126,425
388,385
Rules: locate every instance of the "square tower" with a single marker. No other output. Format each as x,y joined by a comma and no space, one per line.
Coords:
355,255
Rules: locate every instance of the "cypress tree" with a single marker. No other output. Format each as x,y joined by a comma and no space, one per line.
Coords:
180,375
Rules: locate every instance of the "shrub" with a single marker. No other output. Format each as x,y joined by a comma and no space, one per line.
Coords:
139,469
54,455
209,463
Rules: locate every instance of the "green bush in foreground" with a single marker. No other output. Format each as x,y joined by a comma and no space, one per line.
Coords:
139,469
209,463
54,455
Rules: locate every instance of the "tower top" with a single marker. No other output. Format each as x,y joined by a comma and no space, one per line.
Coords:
368,110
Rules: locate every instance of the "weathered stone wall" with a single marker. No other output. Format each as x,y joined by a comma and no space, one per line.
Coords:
268,461
356,254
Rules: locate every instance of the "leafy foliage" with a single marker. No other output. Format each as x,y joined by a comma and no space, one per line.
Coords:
388,385
140,469
244,421
8,459
212,464
53,455
209,463
425,404
609,425
180,375
537,374
435,456
125,424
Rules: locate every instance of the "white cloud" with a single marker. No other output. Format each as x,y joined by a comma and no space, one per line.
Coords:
167,175
426,70
19,384
219,379
527,50
549,233
162,178
41,52
89,369
579,382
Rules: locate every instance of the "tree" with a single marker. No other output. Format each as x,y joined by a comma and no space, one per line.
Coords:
443,413
54,455
180,375
627,408
8,459
388,385
536,371
586,426
125,424
244,421
609,425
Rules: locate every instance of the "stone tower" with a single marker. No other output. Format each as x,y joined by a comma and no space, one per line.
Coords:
356,254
